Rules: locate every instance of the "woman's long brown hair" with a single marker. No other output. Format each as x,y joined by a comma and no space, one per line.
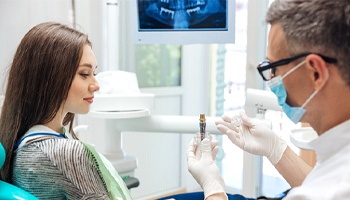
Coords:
40,76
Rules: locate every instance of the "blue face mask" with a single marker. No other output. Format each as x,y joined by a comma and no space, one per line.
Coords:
277,87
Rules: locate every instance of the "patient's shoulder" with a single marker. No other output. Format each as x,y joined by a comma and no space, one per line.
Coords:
65,163
56,150
51,145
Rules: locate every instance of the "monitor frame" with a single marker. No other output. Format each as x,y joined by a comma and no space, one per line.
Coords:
183,36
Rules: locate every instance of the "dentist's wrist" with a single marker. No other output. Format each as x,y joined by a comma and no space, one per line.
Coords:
214,188
277,152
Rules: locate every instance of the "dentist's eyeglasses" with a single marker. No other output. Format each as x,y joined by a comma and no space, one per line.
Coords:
267,69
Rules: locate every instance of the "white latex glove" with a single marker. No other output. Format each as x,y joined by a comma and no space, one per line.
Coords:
253,136
201,164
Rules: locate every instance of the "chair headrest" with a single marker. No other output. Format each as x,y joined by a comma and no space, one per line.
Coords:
2,155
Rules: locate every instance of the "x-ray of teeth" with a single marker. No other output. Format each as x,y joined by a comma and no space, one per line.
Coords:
182,14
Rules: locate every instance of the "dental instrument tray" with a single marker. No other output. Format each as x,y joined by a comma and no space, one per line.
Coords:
122,102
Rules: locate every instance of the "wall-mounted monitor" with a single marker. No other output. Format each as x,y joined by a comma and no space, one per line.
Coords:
183,21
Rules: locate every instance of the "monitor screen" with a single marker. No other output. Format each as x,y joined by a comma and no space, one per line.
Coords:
183,21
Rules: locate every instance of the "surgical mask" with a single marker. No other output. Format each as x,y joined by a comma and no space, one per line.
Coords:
277,87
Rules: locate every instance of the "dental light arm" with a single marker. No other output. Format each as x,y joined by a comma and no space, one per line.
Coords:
262,100
165,124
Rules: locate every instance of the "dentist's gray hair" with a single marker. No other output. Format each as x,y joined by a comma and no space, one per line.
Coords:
320,26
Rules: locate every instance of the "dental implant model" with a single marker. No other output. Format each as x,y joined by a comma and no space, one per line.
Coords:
202,125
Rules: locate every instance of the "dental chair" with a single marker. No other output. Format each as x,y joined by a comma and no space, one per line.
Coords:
131,182
200,196
8,191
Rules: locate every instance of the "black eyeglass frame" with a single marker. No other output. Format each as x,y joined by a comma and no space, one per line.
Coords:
265,65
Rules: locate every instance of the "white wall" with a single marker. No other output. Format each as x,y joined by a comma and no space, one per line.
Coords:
18,16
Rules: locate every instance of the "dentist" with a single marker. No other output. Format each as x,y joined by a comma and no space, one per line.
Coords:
308,68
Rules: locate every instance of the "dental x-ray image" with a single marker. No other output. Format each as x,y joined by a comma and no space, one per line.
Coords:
182,15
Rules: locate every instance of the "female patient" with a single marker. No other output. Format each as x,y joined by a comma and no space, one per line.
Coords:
52,78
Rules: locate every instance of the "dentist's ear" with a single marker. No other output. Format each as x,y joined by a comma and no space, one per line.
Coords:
319,68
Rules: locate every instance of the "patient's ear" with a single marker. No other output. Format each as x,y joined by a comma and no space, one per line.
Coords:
318,70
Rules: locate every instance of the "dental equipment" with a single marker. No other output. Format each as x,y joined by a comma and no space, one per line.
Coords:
202,125
202,130
263,100
236,121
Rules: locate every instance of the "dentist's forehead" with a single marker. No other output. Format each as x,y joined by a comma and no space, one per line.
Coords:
277,43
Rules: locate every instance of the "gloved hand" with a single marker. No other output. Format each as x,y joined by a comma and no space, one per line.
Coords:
253,136
201,164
